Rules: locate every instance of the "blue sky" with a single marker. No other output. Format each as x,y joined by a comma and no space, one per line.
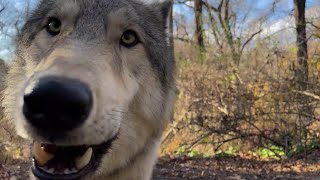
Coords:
259,6
16,10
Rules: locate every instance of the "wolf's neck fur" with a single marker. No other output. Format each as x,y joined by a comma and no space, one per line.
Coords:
140,167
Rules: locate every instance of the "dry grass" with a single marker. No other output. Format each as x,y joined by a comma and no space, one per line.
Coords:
250,106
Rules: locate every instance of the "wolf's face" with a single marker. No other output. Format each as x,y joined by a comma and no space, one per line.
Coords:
92,85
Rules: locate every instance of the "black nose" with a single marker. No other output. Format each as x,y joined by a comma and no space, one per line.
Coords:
56,104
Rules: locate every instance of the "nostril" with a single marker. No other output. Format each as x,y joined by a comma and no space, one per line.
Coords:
57,103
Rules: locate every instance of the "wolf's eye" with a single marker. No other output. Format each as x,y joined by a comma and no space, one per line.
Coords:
54,26
129,39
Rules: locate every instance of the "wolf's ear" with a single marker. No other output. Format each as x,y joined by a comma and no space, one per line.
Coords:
164,7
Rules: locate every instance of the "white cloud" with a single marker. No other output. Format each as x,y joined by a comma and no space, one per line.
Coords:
190,3
284,29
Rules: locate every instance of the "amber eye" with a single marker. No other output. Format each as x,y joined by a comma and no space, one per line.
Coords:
129,39
54,26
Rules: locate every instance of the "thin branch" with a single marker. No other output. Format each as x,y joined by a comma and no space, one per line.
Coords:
248,40
313,25
314,96
184,40
184,3
216,9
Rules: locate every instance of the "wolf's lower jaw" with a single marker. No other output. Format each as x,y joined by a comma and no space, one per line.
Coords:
142,163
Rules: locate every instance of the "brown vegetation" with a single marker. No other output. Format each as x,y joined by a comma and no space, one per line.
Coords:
269,112
245,98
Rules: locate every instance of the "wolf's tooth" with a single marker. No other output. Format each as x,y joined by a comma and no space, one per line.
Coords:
67,171
74,170
40,155
83,161
50,171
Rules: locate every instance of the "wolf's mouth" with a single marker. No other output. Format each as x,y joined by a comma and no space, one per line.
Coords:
51,162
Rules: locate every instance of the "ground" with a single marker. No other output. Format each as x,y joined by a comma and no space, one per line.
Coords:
235,168
230,168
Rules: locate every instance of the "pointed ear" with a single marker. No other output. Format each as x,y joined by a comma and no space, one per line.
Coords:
166,9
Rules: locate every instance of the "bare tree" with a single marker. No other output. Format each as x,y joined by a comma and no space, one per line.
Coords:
199,23
2,8
3,72
171,27
222,20
301,71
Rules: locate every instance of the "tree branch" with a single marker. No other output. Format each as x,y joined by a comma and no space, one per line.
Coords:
248,40
184,3
313,25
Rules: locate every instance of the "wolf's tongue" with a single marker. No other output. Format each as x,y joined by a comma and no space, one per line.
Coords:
41,156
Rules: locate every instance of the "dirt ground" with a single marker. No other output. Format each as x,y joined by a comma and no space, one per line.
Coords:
232,168
236,168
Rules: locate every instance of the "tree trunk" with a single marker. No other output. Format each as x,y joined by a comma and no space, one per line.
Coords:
199,24
225,21
171,39
301,73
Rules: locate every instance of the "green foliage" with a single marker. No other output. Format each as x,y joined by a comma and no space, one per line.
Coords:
181,150
232,77
258,43
315,144
190,153
230,152
205,140
193,153
271,151
294,50
299,149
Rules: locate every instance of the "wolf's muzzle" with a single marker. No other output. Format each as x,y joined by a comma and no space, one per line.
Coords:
57,104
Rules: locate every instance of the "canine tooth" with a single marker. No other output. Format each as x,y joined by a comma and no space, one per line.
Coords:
40,155
47,170
67,171
50,171
81,162
74,170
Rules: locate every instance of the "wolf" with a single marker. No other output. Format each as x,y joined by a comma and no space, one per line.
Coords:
92,86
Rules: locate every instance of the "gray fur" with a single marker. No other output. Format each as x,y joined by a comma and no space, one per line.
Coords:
138,82
89,28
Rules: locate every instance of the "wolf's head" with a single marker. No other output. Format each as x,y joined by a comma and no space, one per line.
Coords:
92,86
